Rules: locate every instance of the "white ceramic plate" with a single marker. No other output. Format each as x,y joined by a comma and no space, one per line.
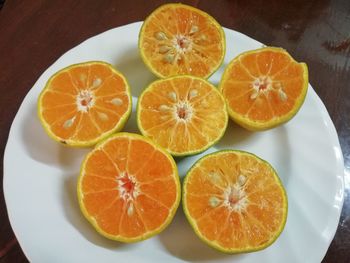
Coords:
40,175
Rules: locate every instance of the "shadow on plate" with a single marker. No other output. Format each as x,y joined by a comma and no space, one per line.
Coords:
77,219
181,241
131,125
35,140
135,71
45,150
234,135
282,165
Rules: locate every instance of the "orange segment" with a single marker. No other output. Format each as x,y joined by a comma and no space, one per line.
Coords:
128,189
131,227
178,39
63,83
271,61
96,202
183,114
235,201
96,183
100,71
264,88
152,212
65,134
86,129
55,99
83,103
250,65
109,219
163,192
150,172
100,164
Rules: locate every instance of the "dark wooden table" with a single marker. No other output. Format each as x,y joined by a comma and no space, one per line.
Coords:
33,34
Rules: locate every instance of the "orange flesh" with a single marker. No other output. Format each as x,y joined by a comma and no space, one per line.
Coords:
77,103
128,187
182,114
263,85
177,39
260,207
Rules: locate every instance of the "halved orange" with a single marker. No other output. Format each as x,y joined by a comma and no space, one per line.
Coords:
183,114
128,188
178,39
83,103
235,201
264,88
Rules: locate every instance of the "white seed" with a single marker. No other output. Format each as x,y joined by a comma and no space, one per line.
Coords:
82,77
205,104
164,107
282,95
203,37
164,49
254,95
116,101
130,209
215,177
194,29
214,201
241,180
68,123
193,93
97,82
160,35
102,116
172,96
169,58
263,204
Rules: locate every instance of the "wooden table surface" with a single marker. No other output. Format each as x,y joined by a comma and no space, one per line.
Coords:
33,34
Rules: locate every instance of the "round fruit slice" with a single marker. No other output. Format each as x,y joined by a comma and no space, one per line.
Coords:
264,88
84,103
235,201
184,114
178,39
128,188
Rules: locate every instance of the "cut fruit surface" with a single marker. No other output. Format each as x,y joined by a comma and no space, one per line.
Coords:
184,114
177,39
235,201
84,103
264,88
129,188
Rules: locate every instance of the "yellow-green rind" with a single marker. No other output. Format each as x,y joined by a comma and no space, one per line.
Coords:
74,143
214,244
212,19
171,212
261,126
188,153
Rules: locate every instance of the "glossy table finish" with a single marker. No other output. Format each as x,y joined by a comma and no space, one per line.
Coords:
33,34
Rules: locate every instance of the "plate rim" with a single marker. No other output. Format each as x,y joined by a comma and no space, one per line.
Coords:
325,116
